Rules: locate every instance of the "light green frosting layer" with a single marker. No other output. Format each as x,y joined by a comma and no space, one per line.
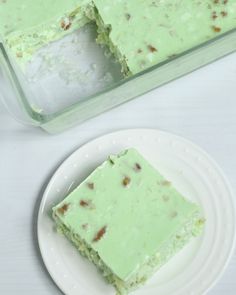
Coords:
130,216
27,25
148,32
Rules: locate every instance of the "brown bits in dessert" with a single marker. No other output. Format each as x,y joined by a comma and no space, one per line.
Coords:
218,1
100,234
126,181
85,226
66,24
165,198
224,13
137,167
178,237
152,48
173,214
87,204
84,203
62,210
166,183
90,185
139,51
216,29
127,16
214,15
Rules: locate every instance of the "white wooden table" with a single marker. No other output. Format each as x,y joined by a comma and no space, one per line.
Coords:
200,107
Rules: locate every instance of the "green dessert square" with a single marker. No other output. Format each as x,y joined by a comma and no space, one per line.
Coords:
127,219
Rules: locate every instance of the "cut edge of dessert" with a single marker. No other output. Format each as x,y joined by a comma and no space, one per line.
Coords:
174,245
103,38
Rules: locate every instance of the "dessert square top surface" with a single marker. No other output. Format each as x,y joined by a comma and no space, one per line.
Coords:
148,32
125,210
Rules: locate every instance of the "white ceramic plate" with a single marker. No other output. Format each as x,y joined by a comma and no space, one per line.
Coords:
197,267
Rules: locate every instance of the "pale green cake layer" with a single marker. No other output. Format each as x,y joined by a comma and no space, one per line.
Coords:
145,33
27,25
127,219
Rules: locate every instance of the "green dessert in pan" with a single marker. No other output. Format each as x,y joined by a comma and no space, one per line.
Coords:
127,219
139,33
144,33
26,25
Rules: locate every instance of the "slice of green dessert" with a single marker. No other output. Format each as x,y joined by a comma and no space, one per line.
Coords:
127,219
27,25
144,33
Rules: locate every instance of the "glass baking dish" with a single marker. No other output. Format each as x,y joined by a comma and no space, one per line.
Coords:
74,79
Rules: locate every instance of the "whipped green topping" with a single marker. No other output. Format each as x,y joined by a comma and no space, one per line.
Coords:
130,216
27,25
145,33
